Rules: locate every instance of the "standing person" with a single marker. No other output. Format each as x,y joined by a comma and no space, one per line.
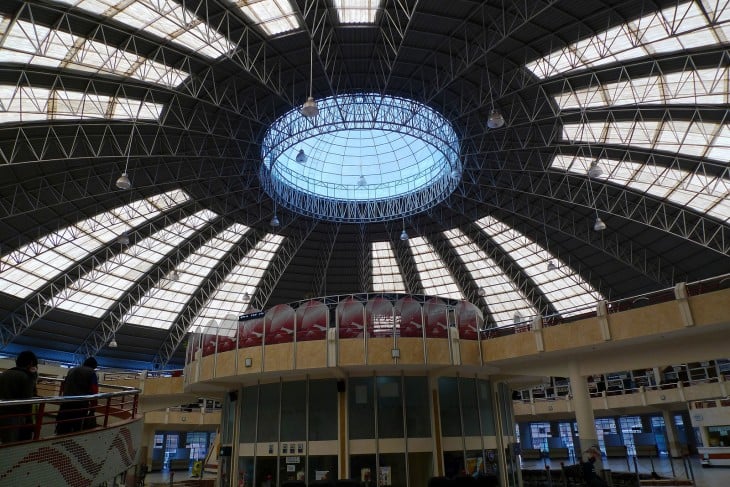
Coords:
16,422
80,381
590,476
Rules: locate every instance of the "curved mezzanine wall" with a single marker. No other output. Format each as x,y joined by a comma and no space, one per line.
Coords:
678,317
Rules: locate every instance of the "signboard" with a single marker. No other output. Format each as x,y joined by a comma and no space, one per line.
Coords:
293,459
251,316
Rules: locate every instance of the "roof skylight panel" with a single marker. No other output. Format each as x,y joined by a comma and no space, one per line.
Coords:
357,11
161,305
272,16
386,272
435,277
696,139
32,266
24,103
704,86
98,290
672,29
563,287
37,45
500,294
702,193
227,300
163,18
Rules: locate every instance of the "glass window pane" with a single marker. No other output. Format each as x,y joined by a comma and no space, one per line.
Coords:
249,401
469,409
322,408
361,408
390,407
418,411
268,421
449,406
293,411
484,389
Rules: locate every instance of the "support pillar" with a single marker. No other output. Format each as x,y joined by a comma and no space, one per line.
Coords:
673,445
509,465
584,415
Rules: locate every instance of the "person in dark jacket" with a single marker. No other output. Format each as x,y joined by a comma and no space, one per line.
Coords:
77,415
16,422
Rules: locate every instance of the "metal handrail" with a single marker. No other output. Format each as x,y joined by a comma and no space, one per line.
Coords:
122,403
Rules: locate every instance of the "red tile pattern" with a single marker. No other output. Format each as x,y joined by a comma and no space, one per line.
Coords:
81,460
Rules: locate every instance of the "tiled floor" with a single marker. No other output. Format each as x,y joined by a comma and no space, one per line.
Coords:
703,477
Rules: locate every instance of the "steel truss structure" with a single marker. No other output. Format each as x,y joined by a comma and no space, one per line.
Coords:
85,96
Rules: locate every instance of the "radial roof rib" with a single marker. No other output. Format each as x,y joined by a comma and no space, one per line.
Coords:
37,305
618,201
286,252
395,21
195,304
112,320
321,37
461,275
512,269
319,277
464,52
518,204
406,262
203,82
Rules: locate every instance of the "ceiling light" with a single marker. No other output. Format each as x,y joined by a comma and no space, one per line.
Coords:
301,157
123,239
455,174
595,170
174,275
123,182
517,318
404,235
551,266
246,297
275,221
482,292
362,181
113,343
599,225
495,120
309,109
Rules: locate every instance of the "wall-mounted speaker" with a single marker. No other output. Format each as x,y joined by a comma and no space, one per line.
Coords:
340,386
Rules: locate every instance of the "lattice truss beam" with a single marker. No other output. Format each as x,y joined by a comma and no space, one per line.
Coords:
326,247
223,185
406,262
486,27
38,304
395,22
113,319
471,202
365,260
276,268
461,275
617,201
197,301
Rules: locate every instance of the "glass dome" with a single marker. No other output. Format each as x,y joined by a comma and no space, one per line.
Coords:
364,158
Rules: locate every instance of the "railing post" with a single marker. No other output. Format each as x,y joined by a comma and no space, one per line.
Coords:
107,408
135,404
38,421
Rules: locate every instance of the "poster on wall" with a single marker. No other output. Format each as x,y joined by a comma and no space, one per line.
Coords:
384,477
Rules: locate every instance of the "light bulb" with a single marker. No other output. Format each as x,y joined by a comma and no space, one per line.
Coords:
123,182
495,120
309,109
599,226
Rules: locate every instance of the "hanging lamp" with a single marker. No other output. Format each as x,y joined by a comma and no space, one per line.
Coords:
310,109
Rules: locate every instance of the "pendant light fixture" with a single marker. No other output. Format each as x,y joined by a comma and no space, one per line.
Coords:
123,239
599,225
310,109
403,233
123,182
595,170
113,342
275,223
495,119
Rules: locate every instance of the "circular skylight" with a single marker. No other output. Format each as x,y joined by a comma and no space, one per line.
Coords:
364,158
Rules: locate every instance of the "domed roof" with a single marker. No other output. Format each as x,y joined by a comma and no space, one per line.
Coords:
608,178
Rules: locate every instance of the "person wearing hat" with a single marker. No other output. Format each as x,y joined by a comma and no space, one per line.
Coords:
16,422
77,415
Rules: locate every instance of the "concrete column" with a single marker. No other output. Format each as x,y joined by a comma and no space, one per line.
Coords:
438,451
583,414
675,448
